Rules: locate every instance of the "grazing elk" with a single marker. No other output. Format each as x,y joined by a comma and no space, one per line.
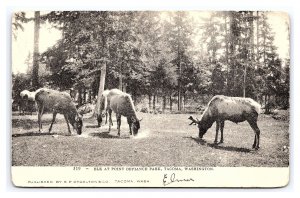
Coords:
58,102
236,109
121,103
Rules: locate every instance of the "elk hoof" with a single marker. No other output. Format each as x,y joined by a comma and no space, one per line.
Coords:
221,142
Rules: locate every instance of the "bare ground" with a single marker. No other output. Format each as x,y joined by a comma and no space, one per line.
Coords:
164,140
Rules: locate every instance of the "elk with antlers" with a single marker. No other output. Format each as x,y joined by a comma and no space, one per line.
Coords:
235,109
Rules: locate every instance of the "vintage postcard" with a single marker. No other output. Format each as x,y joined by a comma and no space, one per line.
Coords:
150,99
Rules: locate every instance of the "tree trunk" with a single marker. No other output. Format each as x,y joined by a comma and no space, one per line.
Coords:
226,39
226,53
35,68
179,99
90,96
79,96
93,94
184,101
124,87
257,37
101,88
164,104
84,95
245,76
149,97
121,81
180,69
104,55
232,45
264,46
171,103
154,100
252,38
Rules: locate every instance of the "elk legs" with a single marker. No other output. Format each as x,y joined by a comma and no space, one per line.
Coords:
129,121
53,119
40,114
118,123
106,114
255,128
109,120
219,126
99,120
222,129
66,118
217,131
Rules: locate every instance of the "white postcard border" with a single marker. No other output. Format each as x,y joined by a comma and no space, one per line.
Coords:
122,176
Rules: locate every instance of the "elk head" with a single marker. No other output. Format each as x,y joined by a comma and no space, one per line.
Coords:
135,125
202,129
78,124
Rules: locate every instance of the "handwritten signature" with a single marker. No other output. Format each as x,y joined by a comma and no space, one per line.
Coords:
169,180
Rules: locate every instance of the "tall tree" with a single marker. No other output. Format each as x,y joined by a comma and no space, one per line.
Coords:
180,31
35,68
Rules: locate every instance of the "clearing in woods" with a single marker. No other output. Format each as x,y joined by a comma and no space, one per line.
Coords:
163,140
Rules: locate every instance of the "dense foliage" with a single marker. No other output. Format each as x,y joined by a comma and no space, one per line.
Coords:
168,55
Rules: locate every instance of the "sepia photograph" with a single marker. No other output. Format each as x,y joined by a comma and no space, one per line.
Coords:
150,98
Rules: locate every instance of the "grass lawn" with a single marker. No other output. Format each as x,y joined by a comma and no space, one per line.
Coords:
164,140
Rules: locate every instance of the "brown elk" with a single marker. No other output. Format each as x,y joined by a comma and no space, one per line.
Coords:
58,102
121,103
235,109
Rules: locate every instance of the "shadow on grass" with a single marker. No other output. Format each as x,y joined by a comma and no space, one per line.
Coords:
218,146
198,140
92,126
106,135
27,123
15,113
34,134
